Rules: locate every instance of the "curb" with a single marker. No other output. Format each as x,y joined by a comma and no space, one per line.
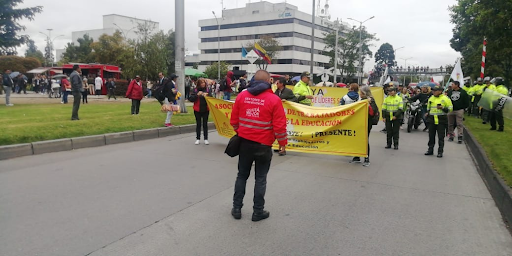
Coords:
50,146
500,192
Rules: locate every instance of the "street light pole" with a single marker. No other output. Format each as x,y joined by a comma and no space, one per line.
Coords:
49,42
405,66
179,64
336,54
122,30
218,46
361,47
312,42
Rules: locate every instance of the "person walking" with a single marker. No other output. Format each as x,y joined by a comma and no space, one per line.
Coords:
135,93
486,86
90,84
66,89
257,133
149,86
438,107
201,110
302,90
170,91
226,85
366,94
188,86
22,84
243,83
460,101
85,90
111,86
7,83
98,82
352,95
497,113
392,111
76,87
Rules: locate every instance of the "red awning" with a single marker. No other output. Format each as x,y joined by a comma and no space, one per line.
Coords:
111,70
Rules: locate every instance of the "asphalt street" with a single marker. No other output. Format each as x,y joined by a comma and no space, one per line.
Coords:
171,197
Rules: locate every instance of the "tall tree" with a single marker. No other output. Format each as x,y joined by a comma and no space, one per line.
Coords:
212,70
475,19
10,26
271,46
348,49
32,51
385,55
108,49
79,53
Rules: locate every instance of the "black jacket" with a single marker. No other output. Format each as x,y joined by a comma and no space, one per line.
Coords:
286,94
6,80
460,99
168,86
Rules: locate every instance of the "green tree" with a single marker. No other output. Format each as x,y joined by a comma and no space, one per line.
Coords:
348,49
385,55
10,26
212,70
32,51
79,53
20,64
271,46
109,49
475,19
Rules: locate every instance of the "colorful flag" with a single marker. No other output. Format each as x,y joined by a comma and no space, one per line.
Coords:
244,52
262,53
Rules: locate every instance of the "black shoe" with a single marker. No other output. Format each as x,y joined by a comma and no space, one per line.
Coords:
493,129
460,140
276,150
484,122
501,129
236,213
429,153
450,139
260,215
439,155
388,146
396,147
75,119
425,129
355,160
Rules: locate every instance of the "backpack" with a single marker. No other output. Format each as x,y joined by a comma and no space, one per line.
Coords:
376,114
223,85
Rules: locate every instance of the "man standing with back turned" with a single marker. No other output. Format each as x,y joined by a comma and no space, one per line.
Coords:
76,87
258,118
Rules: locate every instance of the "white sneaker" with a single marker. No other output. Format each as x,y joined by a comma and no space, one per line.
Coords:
9,105
197,142
206,142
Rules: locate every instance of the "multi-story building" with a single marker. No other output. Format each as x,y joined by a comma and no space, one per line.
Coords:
283,21
112,23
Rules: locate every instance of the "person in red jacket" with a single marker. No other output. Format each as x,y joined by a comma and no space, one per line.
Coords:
134,93
258,118
201,110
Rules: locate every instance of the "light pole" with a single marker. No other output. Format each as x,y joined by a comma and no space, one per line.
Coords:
49,43
405,66
361,46
336,53
218,45
122,30
312,42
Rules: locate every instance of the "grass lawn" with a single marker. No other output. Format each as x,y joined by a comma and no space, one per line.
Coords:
25,123
496,145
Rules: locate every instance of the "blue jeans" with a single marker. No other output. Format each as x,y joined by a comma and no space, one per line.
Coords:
149,93
65,96
227,96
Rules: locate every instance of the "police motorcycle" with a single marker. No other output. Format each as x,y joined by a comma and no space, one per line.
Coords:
414,115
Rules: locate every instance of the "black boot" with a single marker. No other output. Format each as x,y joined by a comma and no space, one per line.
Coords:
260,215
439,155
388,146
429,152
396,146
236,213
501,129
460,140
493,128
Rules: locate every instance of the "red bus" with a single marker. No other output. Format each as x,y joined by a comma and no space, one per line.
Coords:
91,70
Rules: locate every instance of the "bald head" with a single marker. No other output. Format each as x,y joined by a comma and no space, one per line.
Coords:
262,75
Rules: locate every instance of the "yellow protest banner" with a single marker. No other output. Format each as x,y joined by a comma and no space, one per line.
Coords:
340,130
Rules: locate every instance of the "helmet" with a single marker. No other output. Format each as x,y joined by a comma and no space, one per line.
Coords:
437,88
479,80
499,80
487,79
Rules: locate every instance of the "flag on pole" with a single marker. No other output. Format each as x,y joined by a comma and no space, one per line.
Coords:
244,52
457,74
262,53
432,80
387,80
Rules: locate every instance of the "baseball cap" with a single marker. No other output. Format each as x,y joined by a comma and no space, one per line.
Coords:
307,74
174,76
137,76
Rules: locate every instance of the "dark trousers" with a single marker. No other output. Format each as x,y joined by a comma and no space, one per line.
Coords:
392,131
135,106
187,92
84,97
65,96
76,104
476,109
261,155
496,116
111,93
485,115
98,92
356,158
201,119
440,129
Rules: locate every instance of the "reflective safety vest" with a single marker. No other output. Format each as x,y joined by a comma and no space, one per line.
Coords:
501,89
478,89
445,102
302,89
392,106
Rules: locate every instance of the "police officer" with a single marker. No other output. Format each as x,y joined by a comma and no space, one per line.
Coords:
476,92
498,115
392,111
438,107
487,85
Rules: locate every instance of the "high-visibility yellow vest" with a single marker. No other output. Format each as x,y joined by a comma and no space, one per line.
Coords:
392,105
445,102
302,89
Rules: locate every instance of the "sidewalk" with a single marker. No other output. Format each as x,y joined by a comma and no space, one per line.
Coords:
170,197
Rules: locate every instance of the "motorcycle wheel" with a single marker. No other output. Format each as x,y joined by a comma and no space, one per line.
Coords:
409,124
417,123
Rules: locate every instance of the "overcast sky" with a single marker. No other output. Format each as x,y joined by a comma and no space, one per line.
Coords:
423,27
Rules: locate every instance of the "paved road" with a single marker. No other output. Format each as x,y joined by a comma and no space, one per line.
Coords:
170,197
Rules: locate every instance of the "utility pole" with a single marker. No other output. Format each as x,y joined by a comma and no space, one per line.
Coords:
360,74
49,46
179,16
218,46
312,41
336,54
